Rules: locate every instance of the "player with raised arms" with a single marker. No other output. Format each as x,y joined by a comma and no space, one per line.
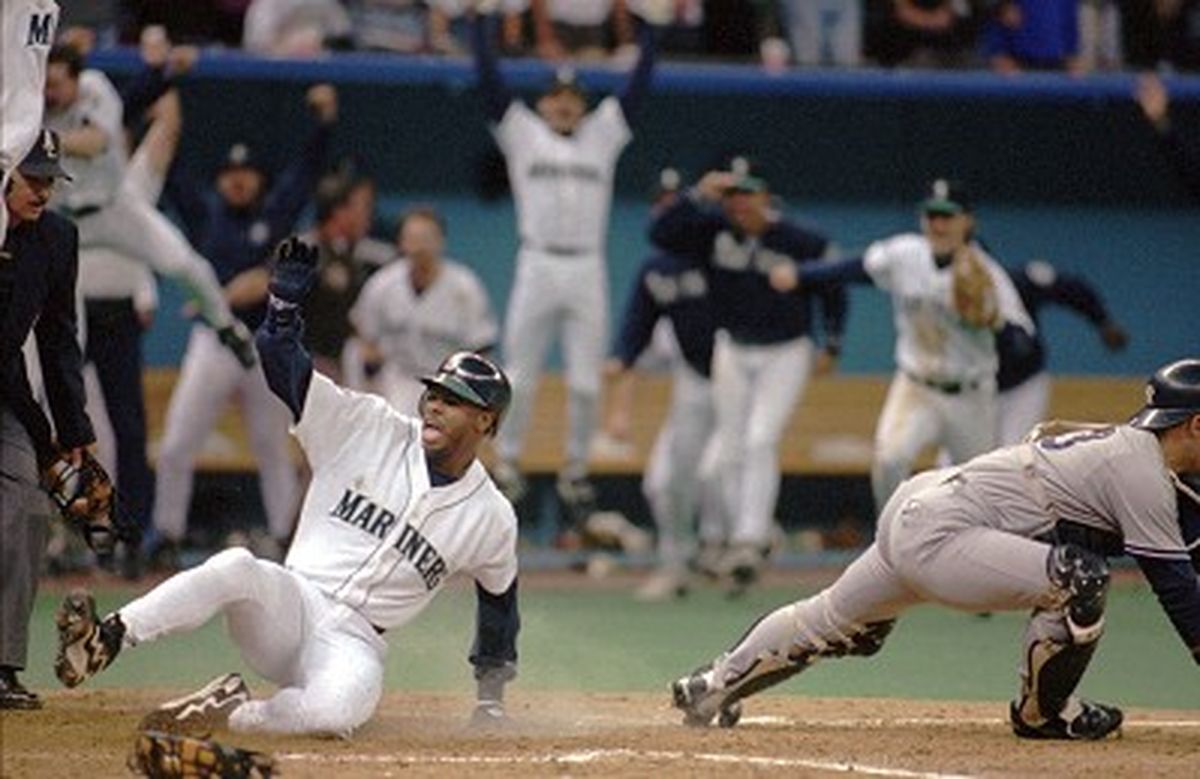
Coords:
396,507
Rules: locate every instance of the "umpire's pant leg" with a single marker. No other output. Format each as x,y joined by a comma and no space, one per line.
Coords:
24,511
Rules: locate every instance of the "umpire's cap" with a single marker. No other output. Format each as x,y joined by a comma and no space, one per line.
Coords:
475,379
1172,396
44,159
947,197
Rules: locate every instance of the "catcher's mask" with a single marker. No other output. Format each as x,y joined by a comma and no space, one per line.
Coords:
476,380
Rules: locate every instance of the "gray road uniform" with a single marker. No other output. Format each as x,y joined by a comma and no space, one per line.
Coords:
1023,527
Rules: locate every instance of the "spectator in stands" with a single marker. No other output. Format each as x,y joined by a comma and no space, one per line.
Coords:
419,308
347,256
1099,35
1156,106
825,32
1033,35
1163,32
922,33
296,28
581,29
399,26
194,21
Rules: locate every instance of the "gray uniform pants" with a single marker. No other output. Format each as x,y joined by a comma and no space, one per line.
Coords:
24,510
932,546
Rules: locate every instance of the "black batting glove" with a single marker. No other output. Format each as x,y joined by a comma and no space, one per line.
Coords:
293,272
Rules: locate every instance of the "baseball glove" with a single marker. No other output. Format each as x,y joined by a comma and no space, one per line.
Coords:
164,756
974,291
87,501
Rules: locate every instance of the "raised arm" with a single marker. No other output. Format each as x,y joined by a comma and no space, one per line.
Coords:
294,188
286,364
634,92
1073,292
496,95
689,225
1155,103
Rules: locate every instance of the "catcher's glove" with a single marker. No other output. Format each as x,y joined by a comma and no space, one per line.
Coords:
974,291
164,756
87,501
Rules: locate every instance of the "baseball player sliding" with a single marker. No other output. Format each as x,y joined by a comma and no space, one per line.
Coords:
561,161
1024,527
949,298
85,109
396,507
27,27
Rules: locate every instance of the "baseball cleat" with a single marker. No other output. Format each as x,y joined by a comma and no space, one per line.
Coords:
201,712
86,644
700,700
1093,722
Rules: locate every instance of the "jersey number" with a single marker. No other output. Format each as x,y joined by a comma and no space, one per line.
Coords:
1067,440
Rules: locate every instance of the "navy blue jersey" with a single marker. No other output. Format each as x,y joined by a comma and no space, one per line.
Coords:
676,288
744,303
1040,284
235,241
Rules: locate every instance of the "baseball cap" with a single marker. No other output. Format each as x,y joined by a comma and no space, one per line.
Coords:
239,156
946,197
566,80
1172,396
43,160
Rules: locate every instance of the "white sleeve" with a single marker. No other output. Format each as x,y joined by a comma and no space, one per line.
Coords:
1008,300
878,261
333,417
258,33
497,566
481,328
516,128
23,65
608,126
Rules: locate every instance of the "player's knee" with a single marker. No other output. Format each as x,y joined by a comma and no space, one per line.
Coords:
1082,576
237,563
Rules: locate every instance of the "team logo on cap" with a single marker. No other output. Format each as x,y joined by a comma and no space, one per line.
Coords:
49,145
941,189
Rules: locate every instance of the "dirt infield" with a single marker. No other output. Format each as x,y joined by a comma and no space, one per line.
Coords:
90,733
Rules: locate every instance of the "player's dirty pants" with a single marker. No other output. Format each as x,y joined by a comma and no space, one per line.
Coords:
326,659
931,547
135,229
565,297
210,376
675,483
915,416
756,388
24,512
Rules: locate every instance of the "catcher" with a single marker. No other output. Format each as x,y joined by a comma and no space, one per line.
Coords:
38,264
949,299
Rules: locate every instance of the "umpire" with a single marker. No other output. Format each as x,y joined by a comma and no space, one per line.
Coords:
38,265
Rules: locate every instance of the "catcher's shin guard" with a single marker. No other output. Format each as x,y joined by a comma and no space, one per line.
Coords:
86,644
165,756
1055,666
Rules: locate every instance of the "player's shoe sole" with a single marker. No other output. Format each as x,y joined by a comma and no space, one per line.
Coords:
700,704
86,645
201,712
1094,722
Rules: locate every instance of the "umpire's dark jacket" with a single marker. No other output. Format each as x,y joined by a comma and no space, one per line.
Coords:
38,266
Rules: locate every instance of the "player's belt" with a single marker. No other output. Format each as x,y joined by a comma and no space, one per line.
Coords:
557,250
947,387
82,211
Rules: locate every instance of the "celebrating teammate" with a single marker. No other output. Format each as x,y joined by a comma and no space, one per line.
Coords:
396,507
27,27
561,162
763,352
949,298
86,110
1023,527
418,308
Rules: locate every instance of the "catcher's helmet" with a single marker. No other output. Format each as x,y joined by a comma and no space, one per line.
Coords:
475,379
1172,396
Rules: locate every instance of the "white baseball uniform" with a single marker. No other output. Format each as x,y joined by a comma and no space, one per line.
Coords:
977,537
27,34
374,545
415,331
128,226
563,188
944,390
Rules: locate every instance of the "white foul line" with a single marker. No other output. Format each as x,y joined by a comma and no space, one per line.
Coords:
924,722
597,755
